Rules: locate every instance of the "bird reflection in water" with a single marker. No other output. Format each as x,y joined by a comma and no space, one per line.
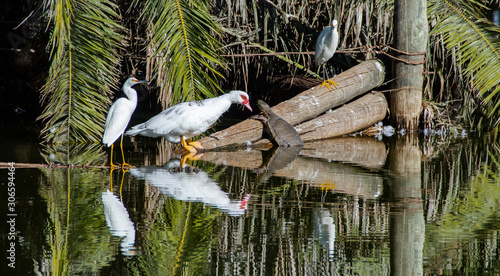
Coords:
119,222
324,224
189,183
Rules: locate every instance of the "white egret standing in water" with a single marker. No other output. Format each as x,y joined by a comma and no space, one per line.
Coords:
119,116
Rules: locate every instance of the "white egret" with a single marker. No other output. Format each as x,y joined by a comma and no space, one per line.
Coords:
326,45
119,116
185,120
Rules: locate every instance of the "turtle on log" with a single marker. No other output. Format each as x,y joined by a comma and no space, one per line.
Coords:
280,130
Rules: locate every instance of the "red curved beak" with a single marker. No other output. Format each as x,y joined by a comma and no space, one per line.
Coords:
247,105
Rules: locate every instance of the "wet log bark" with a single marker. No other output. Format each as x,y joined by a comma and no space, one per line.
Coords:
305,106
240,158
410,37
357,115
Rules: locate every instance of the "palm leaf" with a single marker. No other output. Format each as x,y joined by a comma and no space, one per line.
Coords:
183,44
463,27
85,42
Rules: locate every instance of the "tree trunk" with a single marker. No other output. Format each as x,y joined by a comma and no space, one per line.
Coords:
410,36
305,106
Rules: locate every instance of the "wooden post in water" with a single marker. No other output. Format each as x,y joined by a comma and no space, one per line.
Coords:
410,37
407,225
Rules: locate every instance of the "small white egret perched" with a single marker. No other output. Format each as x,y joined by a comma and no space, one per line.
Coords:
119,116
185,120
326,45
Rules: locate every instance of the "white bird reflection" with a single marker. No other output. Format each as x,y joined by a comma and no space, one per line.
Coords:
119,223
324,225
190,184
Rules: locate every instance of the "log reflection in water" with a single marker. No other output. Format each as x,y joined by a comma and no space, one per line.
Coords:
363,151
315,164
336,177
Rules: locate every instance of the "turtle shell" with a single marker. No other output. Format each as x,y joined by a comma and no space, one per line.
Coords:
281,131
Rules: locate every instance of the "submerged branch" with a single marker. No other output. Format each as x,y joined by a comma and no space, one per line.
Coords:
6,165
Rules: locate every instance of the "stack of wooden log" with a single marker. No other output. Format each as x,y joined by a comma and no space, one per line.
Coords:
320,113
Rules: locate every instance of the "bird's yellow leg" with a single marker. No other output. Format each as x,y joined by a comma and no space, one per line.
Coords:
113,166
111,180
329,83
184,159
195,157
192,156
189,148
125,164
121,183
197,145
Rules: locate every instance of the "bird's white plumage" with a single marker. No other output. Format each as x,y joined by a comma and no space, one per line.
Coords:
327,43
120,112
189,119
117,120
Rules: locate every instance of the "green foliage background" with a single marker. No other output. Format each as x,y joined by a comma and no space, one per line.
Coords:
182,44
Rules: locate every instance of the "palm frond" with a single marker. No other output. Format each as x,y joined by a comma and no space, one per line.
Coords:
184,48
475,39
85,41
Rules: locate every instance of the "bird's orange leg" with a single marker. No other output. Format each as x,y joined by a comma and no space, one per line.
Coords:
125,164
327,82
190,157
113,166
191,148
197,145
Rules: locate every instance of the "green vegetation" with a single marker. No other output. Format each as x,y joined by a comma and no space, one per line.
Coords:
177,44
182,38
83,69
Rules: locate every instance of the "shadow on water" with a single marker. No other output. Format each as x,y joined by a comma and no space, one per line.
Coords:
351,205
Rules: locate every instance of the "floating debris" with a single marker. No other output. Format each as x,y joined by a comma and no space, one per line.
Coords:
379,130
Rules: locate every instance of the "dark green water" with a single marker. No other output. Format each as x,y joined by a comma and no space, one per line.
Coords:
348,206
